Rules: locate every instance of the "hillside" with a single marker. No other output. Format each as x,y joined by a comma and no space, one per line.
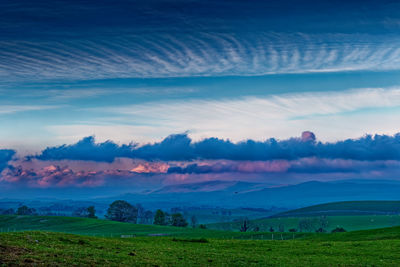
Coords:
328,223
345,208
105,228
43,248
85,226
238,194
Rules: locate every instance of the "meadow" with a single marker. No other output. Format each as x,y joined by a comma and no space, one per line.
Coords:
106,228
62,241
350,215
342,249
349,223
342,208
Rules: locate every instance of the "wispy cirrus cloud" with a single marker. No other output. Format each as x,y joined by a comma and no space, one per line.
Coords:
10,109
201,54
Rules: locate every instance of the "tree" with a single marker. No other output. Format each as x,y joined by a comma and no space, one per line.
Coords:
178,220
8,211
24,210
202,226
122,211
159,218
323,222
168,219
81,212
305,225
281,228
244,226
141,212
148,217
193,221
91,212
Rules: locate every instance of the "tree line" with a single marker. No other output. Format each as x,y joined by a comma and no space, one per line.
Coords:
121,211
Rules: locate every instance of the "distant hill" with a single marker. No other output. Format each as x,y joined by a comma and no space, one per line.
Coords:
312,193
345,208
209,186
351,215
239,194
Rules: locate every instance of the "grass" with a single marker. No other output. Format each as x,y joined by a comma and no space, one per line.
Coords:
351,215
52,249
350,223
346,208
106,228
184,246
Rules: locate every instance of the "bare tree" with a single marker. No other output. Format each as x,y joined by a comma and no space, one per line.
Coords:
245,225
193,221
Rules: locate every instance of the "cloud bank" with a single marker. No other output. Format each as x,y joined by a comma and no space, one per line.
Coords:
180,147
179,159
5,156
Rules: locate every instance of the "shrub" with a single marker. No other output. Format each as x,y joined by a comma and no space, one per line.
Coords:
338,230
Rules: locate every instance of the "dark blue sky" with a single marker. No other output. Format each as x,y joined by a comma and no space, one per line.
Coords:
141,70
138,71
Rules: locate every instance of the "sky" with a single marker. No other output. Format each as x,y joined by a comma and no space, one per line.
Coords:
82,77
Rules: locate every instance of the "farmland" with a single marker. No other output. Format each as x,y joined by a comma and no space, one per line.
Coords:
350,215
49,248
346,208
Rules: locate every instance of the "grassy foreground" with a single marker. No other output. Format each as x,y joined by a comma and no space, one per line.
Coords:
148,245
45,248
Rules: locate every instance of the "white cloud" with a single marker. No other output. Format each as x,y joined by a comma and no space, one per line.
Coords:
9,109
163,55
331,115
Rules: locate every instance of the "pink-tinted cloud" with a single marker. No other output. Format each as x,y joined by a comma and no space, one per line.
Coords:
128,172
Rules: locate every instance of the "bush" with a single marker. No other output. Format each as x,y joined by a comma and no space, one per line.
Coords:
338,230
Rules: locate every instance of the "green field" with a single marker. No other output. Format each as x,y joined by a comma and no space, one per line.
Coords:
106,228
217,215
350,223
79,241
366,248
346,208
351,215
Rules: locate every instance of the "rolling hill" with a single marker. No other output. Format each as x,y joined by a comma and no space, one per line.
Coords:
239,194
345,208
351,215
